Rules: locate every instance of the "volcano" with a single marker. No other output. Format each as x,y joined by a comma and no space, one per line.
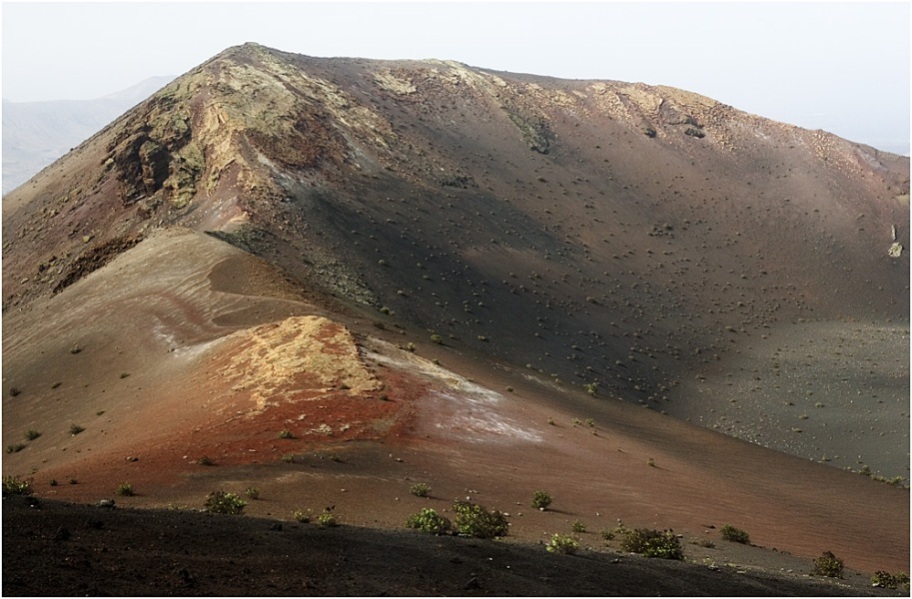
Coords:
328,279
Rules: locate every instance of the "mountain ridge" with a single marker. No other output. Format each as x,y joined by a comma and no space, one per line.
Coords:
503,257
163,175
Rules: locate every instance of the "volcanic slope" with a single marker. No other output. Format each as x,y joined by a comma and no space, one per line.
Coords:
531,233
186,365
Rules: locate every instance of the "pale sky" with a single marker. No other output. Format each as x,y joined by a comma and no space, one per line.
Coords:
843,67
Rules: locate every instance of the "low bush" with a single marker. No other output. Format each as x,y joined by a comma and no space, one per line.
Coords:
327,519
221,502
15,447
885,580
577,526
126,490
13,485
475,521
252,493
736,535
32,434
828,565
429,521
75,429
652,543
420,490
562,544
302,516
541,500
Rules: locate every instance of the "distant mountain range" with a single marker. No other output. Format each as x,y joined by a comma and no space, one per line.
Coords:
35,134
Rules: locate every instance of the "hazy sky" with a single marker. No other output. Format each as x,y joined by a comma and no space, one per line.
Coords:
843,67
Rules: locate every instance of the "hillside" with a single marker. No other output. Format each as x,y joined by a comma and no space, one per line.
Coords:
426,271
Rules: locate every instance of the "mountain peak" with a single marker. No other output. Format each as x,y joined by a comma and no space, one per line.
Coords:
240,140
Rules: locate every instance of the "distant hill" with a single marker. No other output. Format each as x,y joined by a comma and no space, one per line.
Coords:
35,134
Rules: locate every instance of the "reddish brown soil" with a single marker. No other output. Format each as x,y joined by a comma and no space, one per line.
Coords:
528,224
489,433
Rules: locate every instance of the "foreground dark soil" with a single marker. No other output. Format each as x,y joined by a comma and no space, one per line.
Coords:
65,549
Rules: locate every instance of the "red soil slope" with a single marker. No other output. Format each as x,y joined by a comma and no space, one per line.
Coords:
174,364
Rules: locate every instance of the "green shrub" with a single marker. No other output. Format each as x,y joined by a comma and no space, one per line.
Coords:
220,502
75,429
302,516
562,544
429,521
577,526
420,490
652,543
125,489
32,434
896,481
885,580
475,521
736,535
13,485
205,461
15,447
327,519
828,565
252,493
541,500
286,434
